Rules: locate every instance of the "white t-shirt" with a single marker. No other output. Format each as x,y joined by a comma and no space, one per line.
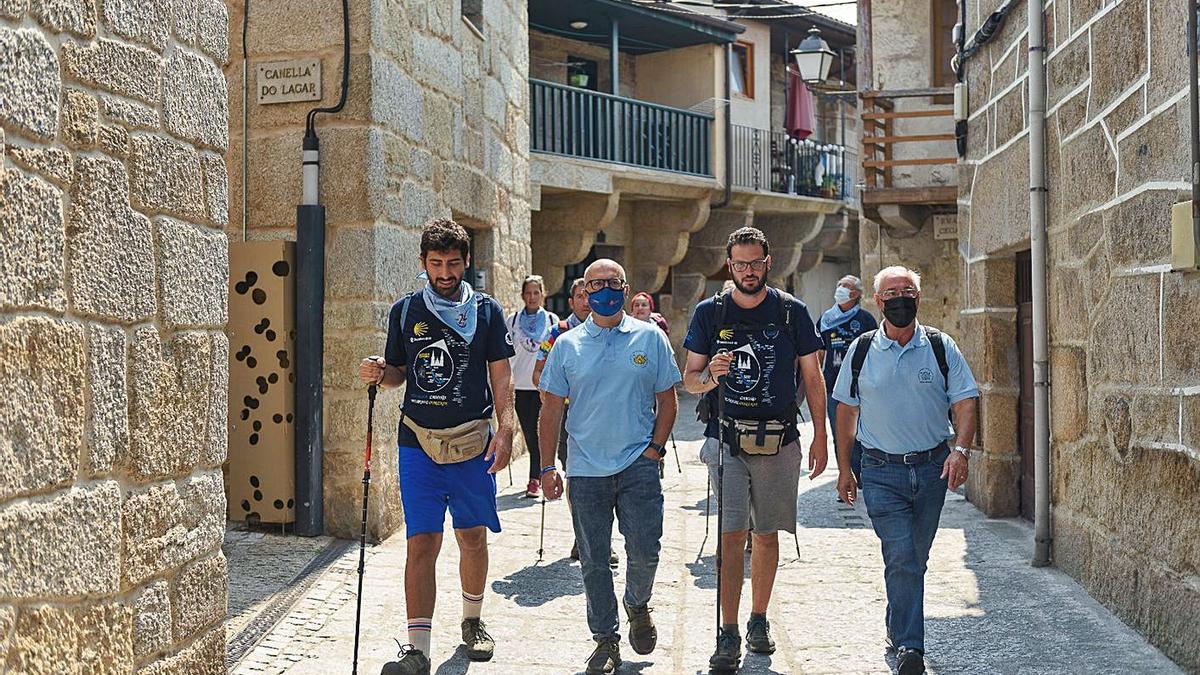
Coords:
527,348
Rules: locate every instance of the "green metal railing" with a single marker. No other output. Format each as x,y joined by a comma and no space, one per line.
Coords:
591,125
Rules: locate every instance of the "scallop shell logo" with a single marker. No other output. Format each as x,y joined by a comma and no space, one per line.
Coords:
725,334
420,329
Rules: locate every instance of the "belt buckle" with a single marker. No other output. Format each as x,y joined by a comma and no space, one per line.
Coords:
916,456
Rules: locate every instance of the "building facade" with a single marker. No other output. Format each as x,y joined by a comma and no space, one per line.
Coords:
1124,456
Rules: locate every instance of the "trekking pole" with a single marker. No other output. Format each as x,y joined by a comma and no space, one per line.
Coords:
707,507
675,447
362,539
542,532
510,483
720,492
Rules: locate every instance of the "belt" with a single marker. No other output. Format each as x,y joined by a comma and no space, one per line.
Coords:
909,458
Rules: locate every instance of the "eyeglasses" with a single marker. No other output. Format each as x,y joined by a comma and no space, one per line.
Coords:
594,285
908,292
742,266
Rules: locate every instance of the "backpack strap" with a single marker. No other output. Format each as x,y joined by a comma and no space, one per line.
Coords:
861,348
404,311
563,326
721,301
939,352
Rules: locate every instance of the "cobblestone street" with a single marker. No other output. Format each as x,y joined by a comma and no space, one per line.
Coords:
987,610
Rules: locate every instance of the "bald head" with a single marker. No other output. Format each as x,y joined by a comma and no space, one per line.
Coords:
604,268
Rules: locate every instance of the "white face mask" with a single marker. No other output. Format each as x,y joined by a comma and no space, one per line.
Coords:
841,295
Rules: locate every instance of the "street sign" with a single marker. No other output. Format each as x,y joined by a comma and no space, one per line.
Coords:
289,81
945,226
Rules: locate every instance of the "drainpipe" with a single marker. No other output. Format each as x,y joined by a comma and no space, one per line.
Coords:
728,132
310,318
1194,104
1037,240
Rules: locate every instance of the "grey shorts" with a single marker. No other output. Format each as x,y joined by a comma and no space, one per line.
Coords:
759,492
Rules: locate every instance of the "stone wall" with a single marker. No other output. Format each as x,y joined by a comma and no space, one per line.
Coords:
113,273
435,126
1124,410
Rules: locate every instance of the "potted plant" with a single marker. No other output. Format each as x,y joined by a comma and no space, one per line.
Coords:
578,79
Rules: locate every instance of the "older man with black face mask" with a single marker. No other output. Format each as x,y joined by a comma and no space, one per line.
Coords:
896,388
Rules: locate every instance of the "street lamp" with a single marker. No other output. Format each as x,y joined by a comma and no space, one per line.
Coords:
813,58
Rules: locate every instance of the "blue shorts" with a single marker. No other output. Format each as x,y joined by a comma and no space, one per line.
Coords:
428,488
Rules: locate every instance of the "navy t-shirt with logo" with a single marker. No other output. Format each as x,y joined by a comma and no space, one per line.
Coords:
447,376
761,384
837,340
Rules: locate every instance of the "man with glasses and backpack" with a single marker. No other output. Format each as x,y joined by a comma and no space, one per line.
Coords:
756,338
897,388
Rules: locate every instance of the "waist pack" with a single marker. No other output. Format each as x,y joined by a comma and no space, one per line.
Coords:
756,437
456,444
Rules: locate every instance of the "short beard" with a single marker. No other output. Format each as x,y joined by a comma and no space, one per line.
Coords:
762,283
450,293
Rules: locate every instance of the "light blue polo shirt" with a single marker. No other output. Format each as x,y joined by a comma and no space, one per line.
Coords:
903,401
611,376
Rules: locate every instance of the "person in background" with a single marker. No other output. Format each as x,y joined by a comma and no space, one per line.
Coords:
642,307
839,326
528,328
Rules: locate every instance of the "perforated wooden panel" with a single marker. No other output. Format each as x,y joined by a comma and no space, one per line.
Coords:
261,480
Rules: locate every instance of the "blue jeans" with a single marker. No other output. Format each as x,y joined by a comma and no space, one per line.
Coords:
905,505
635,496
856,454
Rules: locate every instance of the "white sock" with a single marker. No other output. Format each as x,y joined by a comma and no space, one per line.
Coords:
419,633
472,605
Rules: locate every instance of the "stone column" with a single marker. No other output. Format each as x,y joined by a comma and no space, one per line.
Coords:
113,363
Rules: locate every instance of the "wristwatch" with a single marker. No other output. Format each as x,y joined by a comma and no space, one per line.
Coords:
662,452
966,452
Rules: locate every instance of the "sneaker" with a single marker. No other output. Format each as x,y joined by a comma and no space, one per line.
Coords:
643,636
533,489
910,661
410,661
606,659
728,656
758,635
480,645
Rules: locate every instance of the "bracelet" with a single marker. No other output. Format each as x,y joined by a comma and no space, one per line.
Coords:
548,469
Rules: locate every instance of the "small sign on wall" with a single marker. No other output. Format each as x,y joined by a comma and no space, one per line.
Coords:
289,81
945,226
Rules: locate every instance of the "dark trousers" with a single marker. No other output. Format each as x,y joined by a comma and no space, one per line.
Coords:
529,406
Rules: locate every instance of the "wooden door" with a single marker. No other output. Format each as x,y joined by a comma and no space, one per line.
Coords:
1025,415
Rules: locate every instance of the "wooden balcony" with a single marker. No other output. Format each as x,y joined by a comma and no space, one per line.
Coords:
884,129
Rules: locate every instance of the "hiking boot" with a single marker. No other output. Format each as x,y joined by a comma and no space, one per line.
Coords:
758,635
533,489
607,657
479,644
729,652
410,661
910,661
643,636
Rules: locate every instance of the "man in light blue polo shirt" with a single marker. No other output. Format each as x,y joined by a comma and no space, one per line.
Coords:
620,375
909,378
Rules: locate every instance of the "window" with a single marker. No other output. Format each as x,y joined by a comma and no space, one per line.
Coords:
472,13
945,16
741,69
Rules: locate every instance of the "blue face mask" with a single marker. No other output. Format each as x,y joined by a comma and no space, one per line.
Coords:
606,302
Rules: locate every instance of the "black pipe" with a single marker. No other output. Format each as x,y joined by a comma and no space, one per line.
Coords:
960,126
728,132
1194,102
310,347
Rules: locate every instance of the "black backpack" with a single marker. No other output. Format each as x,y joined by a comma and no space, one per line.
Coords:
864,346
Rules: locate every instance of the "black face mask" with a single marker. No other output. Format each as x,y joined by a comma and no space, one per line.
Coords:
900,311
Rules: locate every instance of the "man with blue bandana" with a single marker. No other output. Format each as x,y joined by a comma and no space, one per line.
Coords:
620,375
839,326
448,343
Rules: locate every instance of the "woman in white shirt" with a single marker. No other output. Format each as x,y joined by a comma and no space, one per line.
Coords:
529,327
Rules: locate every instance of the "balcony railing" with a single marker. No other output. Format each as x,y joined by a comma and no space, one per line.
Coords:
587,124
930,131
771,161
